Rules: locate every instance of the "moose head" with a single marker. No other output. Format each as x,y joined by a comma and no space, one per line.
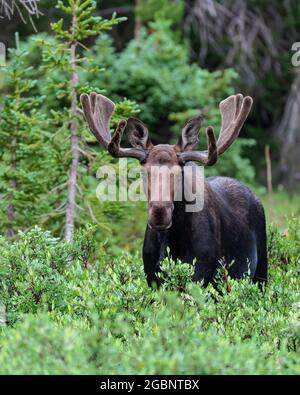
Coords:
98,110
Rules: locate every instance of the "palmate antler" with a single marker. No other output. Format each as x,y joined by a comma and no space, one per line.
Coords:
98,110
234,111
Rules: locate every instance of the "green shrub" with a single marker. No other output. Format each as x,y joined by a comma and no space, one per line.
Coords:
68,312
33,272
38,346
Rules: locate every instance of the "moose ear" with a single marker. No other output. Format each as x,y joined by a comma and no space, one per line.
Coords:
189,135
138,134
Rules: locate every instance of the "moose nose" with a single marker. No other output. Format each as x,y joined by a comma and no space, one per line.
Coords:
160,215
160,228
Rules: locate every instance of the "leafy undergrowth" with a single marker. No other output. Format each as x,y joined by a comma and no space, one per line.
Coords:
68,313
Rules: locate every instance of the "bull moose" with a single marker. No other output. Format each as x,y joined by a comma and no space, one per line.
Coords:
229,228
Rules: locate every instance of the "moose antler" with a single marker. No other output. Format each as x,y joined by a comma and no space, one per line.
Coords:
207,158
234,111
98,110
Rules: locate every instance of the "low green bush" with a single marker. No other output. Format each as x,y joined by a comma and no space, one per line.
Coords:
71,309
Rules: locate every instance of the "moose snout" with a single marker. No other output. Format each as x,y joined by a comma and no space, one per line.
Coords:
160,215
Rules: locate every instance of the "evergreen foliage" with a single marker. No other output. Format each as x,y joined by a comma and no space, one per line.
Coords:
26,152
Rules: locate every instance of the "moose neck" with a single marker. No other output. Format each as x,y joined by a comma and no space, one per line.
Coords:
182,217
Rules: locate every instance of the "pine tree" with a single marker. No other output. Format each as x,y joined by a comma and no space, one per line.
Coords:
25,151
48,162
83,24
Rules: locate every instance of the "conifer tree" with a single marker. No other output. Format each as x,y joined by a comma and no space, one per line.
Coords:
25,152
82,24
48,163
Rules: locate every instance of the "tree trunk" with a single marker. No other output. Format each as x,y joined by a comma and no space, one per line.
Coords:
288,133
13,184
137,19
269,181
71,199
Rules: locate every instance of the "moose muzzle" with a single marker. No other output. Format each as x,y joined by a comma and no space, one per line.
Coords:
160,215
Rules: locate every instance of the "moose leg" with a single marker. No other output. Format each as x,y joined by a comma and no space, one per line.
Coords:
242,260
204,271
154,251
261,272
